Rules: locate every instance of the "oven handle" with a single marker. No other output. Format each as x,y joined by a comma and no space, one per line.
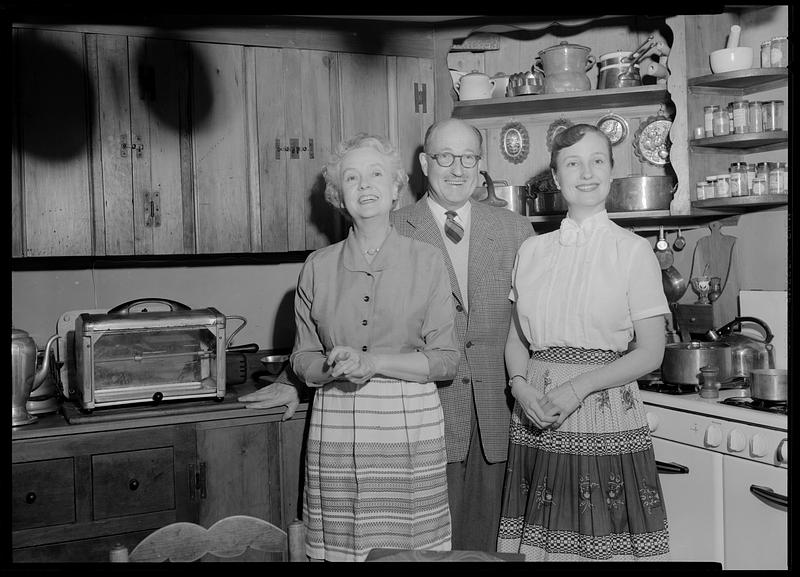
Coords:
125,308
671,468
769,495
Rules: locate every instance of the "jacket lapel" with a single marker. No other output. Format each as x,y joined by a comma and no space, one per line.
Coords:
482,250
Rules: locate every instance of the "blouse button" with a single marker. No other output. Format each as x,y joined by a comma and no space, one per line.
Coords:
459,308
366,299
364,322
364,348
469,344
465,380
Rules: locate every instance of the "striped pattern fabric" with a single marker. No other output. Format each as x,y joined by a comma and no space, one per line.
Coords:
588,490
453,230
380,480
495,236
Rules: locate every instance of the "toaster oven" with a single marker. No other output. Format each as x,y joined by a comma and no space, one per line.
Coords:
124,357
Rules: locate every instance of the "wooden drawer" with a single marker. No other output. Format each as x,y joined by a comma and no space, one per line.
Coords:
133,482
42,493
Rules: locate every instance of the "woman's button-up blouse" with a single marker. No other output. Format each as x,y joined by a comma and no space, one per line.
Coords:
584,285
400,303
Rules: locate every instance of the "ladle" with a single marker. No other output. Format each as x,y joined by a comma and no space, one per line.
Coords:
630,77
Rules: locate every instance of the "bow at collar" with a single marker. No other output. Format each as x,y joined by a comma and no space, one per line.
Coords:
573,234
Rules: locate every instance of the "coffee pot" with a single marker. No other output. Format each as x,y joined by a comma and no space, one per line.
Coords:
747,353
24,376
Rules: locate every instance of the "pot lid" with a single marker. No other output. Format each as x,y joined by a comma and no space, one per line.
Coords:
475,73
565,45
618,54
18,334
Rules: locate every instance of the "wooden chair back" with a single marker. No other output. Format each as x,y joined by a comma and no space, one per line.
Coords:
227,538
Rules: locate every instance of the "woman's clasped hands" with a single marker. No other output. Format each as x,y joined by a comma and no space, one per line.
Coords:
550,409
564,400
353,365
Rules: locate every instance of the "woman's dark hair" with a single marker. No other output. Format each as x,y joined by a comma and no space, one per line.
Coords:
571,135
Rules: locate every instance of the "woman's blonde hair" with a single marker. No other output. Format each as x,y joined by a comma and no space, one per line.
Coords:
333,175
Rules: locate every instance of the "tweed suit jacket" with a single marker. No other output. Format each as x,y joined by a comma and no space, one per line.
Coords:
481,330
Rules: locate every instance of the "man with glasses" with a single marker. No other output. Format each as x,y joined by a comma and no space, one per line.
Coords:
479,243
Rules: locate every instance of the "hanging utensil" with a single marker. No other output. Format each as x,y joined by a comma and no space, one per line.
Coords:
639,51
491,198
673,283
680,242
631,76
663,254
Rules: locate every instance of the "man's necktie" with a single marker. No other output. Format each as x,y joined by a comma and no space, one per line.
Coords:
452,229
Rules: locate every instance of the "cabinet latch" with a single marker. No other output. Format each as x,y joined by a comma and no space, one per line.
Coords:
152,209
197,481
420,97
294,148
311,148
124,146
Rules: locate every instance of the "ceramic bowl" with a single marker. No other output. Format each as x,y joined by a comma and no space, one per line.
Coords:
730,59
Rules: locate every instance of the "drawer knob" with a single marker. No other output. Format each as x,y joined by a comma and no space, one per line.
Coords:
133,484
158,397
30,497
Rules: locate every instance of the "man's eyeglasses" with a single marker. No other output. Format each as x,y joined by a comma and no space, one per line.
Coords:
445,159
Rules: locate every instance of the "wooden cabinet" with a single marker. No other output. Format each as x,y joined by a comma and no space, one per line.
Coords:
51,201
142,199
78,491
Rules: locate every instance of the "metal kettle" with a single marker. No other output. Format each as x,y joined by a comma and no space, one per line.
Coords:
747,353
24,376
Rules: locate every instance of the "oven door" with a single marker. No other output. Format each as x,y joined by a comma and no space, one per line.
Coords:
756,518
691,480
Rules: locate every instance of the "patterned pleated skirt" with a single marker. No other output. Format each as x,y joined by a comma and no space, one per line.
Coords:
375,470
588,490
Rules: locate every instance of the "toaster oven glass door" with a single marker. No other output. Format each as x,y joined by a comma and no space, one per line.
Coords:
135,365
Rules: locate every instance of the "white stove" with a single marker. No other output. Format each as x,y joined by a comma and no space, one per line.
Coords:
724,472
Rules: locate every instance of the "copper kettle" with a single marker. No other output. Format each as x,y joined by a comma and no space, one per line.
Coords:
747,353
24,376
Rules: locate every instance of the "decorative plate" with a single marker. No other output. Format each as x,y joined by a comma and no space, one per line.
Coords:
556,127
514,142
615,127
651,141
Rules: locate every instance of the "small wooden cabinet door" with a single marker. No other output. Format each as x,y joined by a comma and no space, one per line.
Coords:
220,154
53,201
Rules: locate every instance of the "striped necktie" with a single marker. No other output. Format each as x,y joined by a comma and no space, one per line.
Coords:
452,229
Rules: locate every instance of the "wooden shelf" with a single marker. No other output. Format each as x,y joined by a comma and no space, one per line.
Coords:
751,141
739,82
640,221
563,102
742,204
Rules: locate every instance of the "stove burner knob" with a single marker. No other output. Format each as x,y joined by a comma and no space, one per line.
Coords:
783,451
736,441
713,436
758,447
652,421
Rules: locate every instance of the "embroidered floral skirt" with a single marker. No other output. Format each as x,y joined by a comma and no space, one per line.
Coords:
375,470
588,490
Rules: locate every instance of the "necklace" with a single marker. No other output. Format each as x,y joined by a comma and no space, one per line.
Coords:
372,251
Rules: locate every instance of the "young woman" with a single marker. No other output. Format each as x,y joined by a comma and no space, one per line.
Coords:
581,481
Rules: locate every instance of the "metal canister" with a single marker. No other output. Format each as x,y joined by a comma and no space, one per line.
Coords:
755,122
779,52
740,113
738,179
708,119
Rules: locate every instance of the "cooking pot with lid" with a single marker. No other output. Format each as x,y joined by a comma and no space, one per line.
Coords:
769,384
565,66
682,362
500,193
611,66
635,193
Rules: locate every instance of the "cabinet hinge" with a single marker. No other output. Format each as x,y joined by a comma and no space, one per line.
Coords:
420,97
152,209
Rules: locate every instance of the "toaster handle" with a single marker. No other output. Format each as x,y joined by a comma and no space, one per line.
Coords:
125,308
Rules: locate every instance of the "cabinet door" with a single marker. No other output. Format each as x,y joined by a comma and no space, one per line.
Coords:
693,501
364,94
414,113
220,152
54,183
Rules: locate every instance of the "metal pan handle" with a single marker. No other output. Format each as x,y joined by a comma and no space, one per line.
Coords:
769,495
125,308
671,468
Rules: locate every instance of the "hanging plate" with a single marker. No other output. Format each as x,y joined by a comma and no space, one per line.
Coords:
514,142
614,126
556,127
651,141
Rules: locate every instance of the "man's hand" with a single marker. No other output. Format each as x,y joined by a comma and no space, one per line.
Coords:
273,395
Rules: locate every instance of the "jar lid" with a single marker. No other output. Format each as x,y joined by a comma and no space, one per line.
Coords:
712,107
738,164
722,176
779,38
765,42
702,183
711,178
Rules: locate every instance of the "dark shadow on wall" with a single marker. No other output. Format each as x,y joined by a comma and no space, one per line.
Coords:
417,181
324,217
284,327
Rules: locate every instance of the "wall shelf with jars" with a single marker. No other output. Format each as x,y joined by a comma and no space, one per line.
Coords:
750,141
739,82
742,203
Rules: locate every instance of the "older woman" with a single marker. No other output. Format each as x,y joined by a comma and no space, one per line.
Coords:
581,481
374,332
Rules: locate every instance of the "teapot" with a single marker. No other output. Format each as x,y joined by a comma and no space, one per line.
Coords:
747,353
24,376
565,66
473,85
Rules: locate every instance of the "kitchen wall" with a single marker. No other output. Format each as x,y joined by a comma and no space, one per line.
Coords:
263,294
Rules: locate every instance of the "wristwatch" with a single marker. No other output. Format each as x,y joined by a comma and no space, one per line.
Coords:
511,380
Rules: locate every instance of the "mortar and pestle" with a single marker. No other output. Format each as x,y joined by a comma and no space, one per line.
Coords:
732,57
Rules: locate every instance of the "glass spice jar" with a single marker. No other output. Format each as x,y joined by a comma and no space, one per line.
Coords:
740,110
738,179
775,181
730,117
751,174
700,191
711,186
755,121
708,119
721,122
772,114
761,180
779,52
723,186
766,54
785,178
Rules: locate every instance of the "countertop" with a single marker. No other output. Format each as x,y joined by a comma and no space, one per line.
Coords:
173,413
